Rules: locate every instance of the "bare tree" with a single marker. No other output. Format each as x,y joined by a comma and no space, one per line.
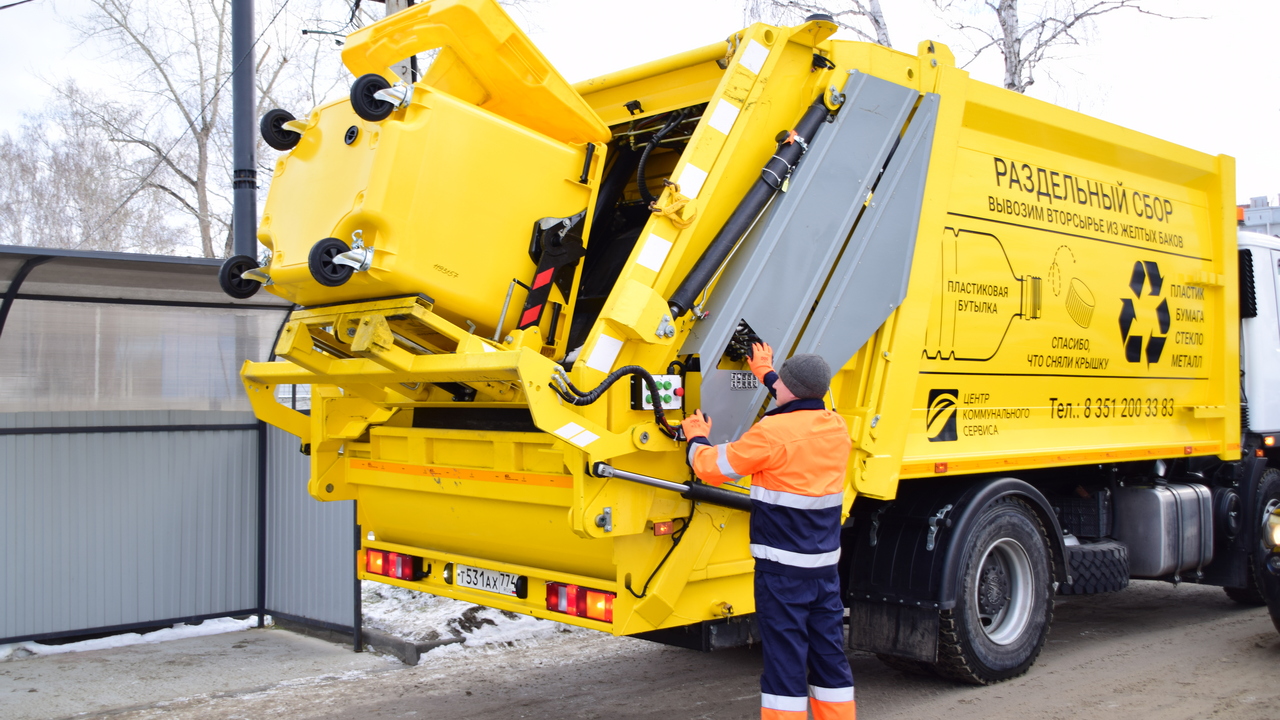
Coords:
166,121
1027,35
65,184
172,102
863,18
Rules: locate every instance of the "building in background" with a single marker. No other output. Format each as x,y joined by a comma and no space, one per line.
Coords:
1260,216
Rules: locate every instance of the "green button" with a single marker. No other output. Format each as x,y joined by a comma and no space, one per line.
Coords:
666,398
648,398
666,385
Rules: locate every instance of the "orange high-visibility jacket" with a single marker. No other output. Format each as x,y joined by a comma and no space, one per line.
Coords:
797,456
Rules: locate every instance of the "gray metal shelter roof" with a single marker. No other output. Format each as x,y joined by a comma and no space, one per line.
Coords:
88,276
109,332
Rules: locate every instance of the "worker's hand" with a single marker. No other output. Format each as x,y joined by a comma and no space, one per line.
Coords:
696,425
760,360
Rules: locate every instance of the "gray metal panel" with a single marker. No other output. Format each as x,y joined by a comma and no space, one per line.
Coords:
310,544
111,529
776,273
871,279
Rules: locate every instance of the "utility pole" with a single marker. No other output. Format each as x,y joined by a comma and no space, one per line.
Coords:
407,69
244,217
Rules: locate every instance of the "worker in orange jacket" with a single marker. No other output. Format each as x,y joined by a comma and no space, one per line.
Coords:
796,456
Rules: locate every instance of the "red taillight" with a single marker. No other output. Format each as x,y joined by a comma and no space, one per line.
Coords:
396,565
401,567
663,527
580,602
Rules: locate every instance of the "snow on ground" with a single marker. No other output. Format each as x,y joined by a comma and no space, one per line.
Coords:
407,614
216,626
421,617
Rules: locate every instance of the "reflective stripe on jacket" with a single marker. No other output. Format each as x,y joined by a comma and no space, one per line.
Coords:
797,457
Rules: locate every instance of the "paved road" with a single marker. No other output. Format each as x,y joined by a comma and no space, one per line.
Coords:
1151,652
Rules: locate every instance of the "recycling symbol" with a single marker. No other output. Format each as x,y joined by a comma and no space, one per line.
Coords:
1146,274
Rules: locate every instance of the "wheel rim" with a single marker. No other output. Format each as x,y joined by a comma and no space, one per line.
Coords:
1003,593
239,282
331,269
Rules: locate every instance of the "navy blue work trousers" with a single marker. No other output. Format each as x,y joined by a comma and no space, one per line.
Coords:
801,623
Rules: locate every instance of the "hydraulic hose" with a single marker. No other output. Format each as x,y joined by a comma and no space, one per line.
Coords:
775,171
642,183
572,395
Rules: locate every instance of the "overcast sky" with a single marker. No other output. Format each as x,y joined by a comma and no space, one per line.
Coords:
1207,84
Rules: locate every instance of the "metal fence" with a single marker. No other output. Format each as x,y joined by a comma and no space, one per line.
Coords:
310,568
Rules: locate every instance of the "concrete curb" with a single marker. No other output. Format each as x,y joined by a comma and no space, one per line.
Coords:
407,651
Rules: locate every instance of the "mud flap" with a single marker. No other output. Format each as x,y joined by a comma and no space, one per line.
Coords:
902,631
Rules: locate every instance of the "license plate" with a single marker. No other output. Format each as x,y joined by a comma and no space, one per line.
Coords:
488,580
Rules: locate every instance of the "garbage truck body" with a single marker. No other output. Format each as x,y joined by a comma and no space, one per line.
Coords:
510,289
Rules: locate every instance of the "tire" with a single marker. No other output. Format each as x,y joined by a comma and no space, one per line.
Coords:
1252,593
273,133
363,101
230,280
1004,603
323,268
1098,567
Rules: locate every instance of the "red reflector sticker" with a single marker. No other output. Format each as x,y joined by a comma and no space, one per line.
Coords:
530,315
543,278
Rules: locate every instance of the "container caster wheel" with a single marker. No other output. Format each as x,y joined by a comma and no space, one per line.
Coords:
273,133
229,277
322,265
363,101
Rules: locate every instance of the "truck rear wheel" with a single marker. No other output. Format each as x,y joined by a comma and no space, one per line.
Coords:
1268,491
1003,606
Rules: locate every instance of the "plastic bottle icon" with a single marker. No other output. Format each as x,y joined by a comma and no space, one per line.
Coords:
979,298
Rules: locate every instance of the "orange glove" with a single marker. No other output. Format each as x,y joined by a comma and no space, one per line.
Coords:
760,360
696,425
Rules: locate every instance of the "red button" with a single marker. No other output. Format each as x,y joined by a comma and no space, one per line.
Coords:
679,392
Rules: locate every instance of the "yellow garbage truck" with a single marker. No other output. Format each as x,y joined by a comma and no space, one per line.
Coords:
510,289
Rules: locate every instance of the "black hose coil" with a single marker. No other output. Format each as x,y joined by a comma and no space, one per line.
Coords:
572,395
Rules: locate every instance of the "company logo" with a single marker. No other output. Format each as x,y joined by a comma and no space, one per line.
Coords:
940,423
1146,274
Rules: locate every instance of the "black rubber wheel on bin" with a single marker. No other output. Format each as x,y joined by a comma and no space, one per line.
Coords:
1097,567
273,133
1004,604
323,268
230,280
1253,593
363,101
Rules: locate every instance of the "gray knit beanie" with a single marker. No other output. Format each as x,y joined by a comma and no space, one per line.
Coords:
806,376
